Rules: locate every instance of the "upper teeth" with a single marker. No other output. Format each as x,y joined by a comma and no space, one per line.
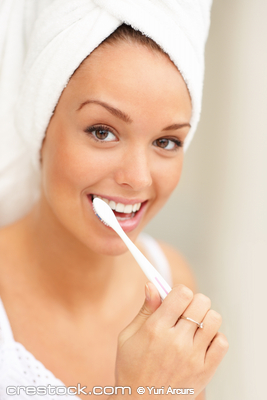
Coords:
122,208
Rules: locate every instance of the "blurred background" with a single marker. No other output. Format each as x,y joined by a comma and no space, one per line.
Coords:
217,215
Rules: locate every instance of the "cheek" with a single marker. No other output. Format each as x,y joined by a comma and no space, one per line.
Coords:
168,176
69,168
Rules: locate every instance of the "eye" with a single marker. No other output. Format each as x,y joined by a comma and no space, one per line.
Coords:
168,144
101,133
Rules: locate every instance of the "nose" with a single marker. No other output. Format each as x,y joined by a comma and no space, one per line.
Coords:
134,170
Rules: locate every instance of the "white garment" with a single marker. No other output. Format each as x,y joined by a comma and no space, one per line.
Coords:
18,367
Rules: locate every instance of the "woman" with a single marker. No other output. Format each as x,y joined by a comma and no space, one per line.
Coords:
72,294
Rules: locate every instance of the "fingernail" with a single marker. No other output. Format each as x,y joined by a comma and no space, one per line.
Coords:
147,291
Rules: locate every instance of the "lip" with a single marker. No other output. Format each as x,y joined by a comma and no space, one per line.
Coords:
117,199
127,225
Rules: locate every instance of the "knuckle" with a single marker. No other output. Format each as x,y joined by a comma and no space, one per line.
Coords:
145,312
222,341
184,292
215,317
202,298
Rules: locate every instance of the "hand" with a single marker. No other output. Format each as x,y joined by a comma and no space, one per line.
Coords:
159,349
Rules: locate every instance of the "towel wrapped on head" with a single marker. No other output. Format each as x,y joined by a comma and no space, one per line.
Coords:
63,35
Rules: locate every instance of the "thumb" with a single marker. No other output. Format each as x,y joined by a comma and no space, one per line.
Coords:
151,303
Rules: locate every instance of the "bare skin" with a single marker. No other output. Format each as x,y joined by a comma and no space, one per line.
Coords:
63,273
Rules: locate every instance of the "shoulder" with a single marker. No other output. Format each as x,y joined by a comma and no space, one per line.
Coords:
180,269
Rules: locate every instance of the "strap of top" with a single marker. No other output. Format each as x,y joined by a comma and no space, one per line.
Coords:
156,256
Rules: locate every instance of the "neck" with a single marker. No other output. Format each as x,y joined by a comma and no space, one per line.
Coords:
66,268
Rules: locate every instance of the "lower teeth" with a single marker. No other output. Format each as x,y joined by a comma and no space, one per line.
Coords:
125,218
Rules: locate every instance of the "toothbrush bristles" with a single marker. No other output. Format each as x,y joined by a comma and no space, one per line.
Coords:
104,222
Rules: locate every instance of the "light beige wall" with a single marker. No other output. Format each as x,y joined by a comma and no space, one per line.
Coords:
217,216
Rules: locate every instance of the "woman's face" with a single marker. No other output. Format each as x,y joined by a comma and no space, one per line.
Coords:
117,132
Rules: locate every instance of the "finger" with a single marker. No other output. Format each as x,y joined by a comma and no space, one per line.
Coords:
216,351
151,303
211,325
172,306
196,310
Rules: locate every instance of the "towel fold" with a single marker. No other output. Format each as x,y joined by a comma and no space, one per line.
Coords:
62,35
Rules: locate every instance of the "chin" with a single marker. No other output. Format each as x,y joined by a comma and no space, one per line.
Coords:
108,247
105,241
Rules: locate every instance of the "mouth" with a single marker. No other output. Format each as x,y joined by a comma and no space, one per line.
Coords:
128,212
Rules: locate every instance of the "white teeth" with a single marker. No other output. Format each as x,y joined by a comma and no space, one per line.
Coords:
128,209
119,207
112,205
123,218
135,207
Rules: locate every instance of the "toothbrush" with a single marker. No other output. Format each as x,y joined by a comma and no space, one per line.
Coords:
106,215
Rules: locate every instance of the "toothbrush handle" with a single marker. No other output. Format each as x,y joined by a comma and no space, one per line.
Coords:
152,274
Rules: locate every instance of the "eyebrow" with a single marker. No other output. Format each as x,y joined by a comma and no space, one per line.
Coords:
125,117
115,111
176,126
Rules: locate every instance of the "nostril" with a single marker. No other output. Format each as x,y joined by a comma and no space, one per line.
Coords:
137,179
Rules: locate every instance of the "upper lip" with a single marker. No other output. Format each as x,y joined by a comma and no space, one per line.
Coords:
121,200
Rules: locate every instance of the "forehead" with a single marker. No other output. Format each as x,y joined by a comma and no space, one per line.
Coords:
133,74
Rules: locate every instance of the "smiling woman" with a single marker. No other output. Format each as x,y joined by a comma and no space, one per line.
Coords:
116,129
132,138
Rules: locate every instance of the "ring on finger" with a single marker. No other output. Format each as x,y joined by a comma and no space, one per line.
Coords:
200,324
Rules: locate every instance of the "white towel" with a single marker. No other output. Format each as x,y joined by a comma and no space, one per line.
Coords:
50,41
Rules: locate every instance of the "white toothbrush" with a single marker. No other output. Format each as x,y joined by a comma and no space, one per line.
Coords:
106,215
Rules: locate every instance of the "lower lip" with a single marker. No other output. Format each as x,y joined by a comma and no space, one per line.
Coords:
129,224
